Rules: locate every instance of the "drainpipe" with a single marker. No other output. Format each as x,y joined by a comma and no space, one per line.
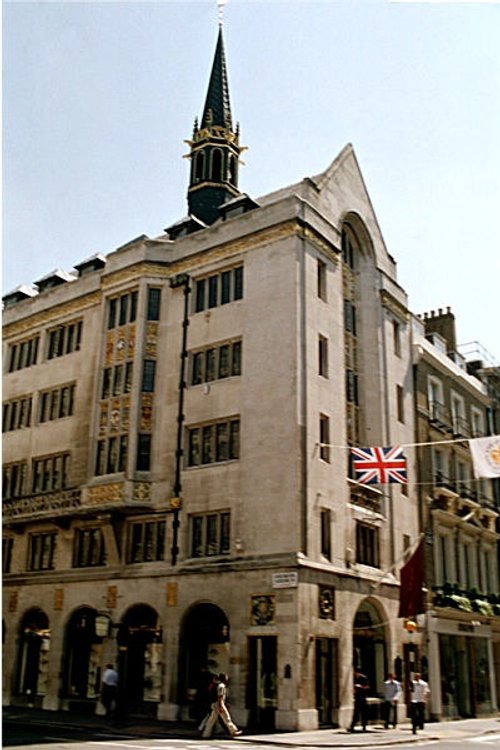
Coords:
181,280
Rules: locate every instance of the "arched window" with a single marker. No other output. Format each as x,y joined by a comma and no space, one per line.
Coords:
199,166
216,165
233,174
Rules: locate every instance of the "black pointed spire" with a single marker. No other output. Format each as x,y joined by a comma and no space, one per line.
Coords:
217,109
214,149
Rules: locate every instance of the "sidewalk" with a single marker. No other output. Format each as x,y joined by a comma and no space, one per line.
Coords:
135,728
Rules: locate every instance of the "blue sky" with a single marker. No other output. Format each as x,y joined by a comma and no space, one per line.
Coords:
98,98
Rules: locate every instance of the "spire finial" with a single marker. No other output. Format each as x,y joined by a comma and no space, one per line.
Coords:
220,11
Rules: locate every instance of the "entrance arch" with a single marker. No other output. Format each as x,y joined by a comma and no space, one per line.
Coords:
82,662
369,647
140,664
204,645
32,663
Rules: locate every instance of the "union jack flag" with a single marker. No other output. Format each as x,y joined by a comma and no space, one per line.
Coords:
380,465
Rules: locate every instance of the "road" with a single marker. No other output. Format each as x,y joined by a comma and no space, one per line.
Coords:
70,738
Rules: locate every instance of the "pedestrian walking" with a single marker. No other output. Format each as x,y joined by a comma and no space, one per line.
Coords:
419,693
361,688
109,688
220,711
392,694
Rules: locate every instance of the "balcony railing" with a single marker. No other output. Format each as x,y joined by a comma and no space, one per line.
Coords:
49,504
440,415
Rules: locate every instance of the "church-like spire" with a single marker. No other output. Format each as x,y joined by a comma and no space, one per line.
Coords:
214,148
217,109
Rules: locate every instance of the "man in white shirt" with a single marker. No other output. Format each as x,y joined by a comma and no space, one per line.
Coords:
392,693
109,688
419,694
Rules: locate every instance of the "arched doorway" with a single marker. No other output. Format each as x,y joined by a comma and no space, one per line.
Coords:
369,646
82,663
34,644
140,664
204,644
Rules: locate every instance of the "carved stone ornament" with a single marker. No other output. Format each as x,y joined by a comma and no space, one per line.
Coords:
326,603
262,610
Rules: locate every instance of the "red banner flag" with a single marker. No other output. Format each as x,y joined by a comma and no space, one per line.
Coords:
411,595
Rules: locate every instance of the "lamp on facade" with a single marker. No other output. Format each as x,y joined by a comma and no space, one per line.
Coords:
101,624
410,626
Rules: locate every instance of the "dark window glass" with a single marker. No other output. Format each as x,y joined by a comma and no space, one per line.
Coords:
133,307
128,377
194,447
154,304
7,545
118,380
225,287
148,375
123,309
112,313
197,537
112,464
225,531
200,295
41,551
213,283
367,545
100,457
236,363
234,439
212,535
222,447
207,445
88,548
122,456
324,438
106,383
238,283
143,452
326,547
197,376
224,361
210,364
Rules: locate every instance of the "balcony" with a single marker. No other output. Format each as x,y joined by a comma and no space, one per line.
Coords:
365,497
439,416
461,427
48,505
451,596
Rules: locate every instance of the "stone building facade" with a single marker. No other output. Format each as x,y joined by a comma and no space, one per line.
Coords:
177,483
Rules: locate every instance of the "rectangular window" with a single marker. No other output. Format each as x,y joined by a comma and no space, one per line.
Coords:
17,414
326,524
13,480
64,339
117,380
106,383
143,452
400,403
396,336
210,534
238,283
324,438
367,545
323,356
88,548
50,473
127,386
7,546
225,295
321,280
57,404
148,375
112,305
212,291
154,297
214,442
41,551
122,318
216,363
219,289
200,295
350,317
146,542
23,354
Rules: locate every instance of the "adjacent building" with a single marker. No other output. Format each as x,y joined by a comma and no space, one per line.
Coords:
178,491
